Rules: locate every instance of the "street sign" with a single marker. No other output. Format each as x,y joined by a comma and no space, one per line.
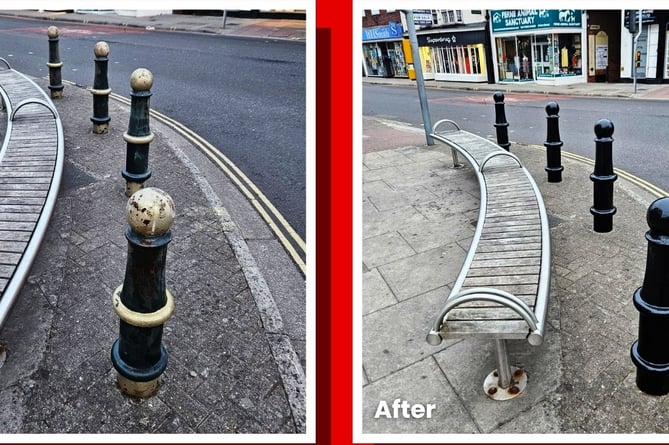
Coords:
422,17
647,16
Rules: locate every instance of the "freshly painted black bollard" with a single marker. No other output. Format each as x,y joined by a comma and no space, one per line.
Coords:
603,177
553,144
139,136
650,353
143,303
54,64
101,89
501,125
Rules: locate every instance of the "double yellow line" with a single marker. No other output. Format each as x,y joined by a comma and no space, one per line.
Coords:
655,190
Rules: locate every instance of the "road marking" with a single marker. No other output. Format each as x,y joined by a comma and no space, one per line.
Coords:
651,188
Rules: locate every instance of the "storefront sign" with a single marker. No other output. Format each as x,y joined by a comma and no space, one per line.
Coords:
422,17
451,38
391,31
521,19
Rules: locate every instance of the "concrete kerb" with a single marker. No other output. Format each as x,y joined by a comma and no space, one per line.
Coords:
286,358
616,90
589,369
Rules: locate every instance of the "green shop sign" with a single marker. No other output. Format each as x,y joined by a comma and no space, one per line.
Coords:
521,19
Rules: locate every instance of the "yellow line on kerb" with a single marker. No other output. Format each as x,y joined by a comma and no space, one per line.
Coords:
651,188
240,180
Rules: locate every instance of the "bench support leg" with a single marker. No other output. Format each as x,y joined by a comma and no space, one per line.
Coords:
505,382
456,161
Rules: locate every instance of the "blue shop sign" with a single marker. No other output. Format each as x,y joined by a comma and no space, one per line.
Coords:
522,19
391,31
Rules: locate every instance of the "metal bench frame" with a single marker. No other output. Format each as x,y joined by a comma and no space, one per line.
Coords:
507,378
16,112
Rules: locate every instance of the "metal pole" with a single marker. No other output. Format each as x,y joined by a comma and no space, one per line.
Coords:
225,17
503,368
420,81
634,43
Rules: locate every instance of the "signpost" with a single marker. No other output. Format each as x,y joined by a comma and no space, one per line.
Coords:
634,21
420,81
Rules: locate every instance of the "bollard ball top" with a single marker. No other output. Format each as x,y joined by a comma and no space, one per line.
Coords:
552,108
658,217
604,128
52,32
498,97
141,79
150,212
101,49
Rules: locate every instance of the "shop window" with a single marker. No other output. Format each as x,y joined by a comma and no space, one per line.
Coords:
457,59
533,57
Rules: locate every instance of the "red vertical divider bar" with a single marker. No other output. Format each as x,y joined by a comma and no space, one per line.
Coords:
334,227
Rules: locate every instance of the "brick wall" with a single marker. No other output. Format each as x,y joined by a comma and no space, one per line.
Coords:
380,19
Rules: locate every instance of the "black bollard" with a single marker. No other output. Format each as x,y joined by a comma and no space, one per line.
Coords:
650,353
553,144
101,89
501,125
138,136
54,64
603,177
143,303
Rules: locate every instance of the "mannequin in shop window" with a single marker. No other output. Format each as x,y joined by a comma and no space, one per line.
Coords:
525,67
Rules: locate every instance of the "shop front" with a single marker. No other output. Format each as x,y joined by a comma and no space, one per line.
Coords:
539,45
455,55
383,55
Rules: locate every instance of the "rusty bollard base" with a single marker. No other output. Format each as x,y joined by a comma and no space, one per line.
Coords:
494,391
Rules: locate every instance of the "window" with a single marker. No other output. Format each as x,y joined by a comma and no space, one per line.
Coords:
451,16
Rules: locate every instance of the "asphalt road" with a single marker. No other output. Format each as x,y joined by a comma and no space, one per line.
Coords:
245,96
641,142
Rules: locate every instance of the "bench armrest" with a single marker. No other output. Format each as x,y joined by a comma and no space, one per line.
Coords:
435,126
499,153
535,336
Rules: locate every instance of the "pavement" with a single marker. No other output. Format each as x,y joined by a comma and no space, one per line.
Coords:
648,91
418,218
289,29
236,342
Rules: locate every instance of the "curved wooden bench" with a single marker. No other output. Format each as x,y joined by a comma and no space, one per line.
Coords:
31,165
502,289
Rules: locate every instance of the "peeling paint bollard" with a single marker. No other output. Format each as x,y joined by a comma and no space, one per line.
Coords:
143,303
603,177
553,144
649,353
139,136
54,64
501,125
101,89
